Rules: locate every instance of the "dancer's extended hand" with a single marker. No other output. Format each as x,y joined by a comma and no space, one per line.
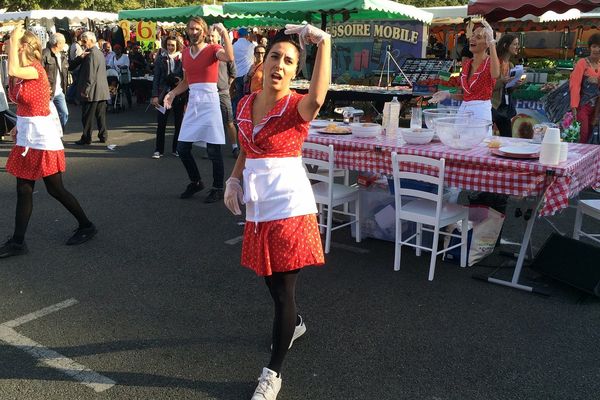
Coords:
168,100
220,28
489,33
308,34
234,195
440,96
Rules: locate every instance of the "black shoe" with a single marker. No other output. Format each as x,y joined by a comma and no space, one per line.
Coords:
82,235
192,188
214,195
11,248
82,142
235,152
101,140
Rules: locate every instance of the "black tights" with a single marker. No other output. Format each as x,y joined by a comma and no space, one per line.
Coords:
55,188
282,286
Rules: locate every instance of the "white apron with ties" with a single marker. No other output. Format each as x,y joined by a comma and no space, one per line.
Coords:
202,121
40,132
481,109
277,188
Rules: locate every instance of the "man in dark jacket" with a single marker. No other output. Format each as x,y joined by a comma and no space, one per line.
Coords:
92,87
57,68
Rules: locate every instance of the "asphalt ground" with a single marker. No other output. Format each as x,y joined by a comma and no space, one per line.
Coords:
165,310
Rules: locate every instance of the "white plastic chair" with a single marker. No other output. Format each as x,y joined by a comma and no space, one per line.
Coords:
426,208
329,194
591,208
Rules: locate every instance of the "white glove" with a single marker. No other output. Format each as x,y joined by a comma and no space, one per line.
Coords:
489,33
307,34
234,195
440,96
220,28
168,100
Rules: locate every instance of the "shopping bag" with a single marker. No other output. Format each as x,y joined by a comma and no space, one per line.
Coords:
485,225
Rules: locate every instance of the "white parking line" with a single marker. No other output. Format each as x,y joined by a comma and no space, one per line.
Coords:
51,358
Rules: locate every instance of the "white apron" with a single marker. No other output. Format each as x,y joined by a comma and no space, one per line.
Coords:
277,188
202,121
481,109
41,133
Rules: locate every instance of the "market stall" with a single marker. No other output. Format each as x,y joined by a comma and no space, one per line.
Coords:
496,10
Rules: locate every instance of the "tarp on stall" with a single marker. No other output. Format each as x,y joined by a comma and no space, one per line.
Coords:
74,16
211,13
495,10
341,10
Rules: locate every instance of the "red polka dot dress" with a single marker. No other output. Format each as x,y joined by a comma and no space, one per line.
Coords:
284,244
30,158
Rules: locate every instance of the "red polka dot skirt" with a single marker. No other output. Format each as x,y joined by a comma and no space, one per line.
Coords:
282,245
36,164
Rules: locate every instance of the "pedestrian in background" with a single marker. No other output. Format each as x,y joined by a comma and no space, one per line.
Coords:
168,71
57,68
92,86
227,74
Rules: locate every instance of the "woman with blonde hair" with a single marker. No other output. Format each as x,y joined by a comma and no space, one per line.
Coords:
38,152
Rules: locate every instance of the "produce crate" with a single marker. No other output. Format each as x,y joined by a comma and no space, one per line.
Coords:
531,92
451,89
424,88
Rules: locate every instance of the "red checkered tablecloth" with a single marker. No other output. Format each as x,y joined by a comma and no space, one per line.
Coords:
476,169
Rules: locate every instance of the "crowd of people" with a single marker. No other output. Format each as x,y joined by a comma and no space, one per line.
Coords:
281,235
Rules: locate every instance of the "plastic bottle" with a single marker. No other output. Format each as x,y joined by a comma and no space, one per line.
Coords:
385,122
394,116
550,152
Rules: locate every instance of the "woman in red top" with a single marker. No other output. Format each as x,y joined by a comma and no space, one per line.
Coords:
478,76
281,235
586,69
39,151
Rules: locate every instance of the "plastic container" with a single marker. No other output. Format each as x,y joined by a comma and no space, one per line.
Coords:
463,133
385,121
550,152
394,119
365,129
417,136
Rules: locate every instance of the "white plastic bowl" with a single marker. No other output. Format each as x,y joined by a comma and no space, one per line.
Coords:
417,136
365,129
462,133
431,114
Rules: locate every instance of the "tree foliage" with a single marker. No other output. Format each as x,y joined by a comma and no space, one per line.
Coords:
116,5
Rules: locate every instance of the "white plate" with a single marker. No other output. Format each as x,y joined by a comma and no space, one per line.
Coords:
320,123
528,149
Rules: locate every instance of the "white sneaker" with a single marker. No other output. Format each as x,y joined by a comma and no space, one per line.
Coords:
268,386
299,330
156,155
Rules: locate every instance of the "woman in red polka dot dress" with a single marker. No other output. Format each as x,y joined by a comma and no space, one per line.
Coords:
39,151
478,76
281,235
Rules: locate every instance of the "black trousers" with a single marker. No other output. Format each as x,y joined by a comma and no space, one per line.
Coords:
215,156
503,124
89,111
178,111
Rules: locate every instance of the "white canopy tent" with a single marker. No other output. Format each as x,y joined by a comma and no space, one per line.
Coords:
74,16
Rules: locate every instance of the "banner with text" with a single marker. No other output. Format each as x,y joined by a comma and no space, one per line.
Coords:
362,50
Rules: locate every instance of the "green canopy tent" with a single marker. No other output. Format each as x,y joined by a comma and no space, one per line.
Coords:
211,13
315,11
